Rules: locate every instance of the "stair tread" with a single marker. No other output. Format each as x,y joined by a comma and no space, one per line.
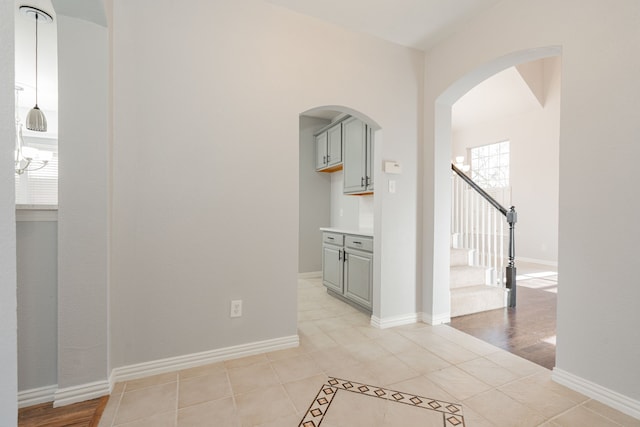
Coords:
476,298
468,267
477,288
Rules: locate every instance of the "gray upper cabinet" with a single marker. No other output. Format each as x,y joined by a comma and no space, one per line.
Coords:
329,149
321,151
358,157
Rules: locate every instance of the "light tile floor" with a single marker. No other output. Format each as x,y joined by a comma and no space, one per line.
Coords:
495,388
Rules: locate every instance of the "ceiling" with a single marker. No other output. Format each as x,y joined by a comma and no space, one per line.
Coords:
415,23
502,95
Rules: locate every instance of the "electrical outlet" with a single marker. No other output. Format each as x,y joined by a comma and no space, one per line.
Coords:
236,308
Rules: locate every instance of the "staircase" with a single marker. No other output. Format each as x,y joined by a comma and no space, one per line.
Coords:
483,272
471,291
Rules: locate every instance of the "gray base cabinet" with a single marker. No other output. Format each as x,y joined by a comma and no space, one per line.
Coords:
347,267
358,268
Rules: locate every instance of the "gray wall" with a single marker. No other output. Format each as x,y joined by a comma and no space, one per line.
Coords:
8,340
205,182
83,215
315,200
37,248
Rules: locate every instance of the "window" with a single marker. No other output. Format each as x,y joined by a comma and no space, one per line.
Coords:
490,165
39,187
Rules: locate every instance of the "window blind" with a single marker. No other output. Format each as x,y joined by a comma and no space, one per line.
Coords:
39,187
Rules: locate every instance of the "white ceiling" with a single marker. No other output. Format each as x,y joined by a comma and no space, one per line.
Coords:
415,23
501,95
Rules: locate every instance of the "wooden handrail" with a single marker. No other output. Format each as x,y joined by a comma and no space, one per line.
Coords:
479,190
512,217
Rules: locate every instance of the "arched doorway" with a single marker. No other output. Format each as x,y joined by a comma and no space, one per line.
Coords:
321,199
436,293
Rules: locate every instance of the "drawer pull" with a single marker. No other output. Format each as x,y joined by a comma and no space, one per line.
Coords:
329,238
357,243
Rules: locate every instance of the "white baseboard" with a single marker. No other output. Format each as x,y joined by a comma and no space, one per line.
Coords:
154,367
310,275
595,391
438,319
36,396
537,261
392,321
80,393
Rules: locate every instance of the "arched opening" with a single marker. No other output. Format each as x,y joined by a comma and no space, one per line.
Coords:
324,201
441,293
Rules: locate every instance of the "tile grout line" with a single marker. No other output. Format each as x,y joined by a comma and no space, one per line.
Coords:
175,419
115,413
598,413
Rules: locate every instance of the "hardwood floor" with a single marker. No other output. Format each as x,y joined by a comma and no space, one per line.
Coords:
82,414
529,329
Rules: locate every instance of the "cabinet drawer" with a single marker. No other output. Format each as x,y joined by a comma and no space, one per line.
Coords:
333,238
359,242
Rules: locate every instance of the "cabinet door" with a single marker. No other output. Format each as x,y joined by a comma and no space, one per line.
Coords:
332,267
334,144
321,151
358,277
354,140
369,160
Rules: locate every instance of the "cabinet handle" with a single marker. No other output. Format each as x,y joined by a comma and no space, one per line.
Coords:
357,243
345,256
362,182
368,181
324,160
329,238
340,255
328,158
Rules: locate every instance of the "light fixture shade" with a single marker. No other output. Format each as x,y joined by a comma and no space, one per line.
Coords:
36,120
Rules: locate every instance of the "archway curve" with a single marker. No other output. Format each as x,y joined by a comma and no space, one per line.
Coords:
342,109
437,286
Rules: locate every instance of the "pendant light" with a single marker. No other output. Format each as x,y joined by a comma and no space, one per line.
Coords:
35,118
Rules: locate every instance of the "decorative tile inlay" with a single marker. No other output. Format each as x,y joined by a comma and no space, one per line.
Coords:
451,412
454,420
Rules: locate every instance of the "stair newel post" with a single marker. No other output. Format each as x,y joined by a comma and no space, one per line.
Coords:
512,218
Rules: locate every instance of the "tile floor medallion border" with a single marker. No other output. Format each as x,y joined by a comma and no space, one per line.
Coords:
451,412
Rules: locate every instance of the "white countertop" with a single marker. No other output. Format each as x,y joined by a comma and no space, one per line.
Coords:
358,232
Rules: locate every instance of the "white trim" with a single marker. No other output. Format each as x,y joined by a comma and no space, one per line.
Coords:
154,367
438,319
595,391
537,261
33,214
310,275
390,322
80,393
35,396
